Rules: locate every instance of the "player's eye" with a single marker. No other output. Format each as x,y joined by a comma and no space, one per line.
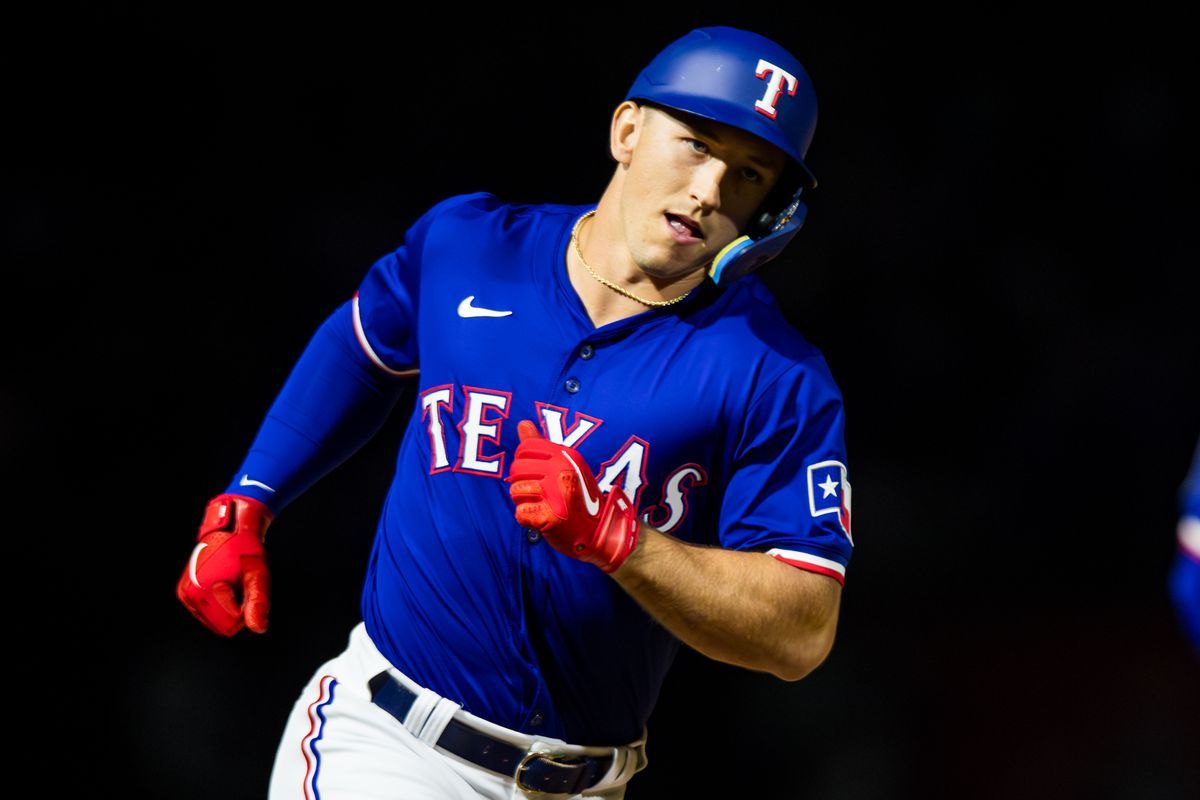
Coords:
703,148
751,174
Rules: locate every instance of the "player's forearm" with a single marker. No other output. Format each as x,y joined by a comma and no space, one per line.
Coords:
742,608
332,403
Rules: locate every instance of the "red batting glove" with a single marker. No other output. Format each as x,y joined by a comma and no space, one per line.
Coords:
556,493
229,555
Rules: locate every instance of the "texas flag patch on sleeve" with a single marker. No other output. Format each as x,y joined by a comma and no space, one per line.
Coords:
829,492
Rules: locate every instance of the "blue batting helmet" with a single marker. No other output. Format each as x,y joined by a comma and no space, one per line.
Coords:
748,81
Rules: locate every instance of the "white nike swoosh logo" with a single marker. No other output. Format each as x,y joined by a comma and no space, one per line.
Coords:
465,309
248,481
593,506
192,564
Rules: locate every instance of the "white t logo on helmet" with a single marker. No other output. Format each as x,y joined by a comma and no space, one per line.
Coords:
766,105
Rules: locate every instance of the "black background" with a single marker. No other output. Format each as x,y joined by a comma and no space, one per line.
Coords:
1000,265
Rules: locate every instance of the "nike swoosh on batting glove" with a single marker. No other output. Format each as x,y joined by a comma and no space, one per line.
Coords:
556,494
229,558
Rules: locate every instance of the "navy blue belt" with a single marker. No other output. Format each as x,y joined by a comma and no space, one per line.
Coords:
537,772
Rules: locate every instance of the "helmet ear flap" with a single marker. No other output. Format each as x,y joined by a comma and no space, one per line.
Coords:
776,201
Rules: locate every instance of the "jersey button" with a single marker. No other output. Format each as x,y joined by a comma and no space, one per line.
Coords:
532,535
572,385
536,720
587,351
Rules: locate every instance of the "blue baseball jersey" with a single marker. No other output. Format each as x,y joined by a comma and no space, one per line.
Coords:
719,420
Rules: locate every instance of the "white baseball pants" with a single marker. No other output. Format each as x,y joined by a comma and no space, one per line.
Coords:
338,744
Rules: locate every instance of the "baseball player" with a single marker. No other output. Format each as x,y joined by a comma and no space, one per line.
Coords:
618,444
1185,572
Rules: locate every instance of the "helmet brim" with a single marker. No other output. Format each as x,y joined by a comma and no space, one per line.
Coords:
727,113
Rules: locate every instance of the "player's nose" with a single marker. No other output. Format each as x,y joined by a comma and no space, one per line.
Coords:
706,184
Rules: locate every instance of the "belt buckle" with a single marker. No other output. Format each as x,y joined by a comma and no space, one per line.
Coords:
549,756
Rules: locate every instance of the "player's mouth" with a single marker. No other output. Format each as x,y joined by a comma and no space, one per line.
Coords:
684,230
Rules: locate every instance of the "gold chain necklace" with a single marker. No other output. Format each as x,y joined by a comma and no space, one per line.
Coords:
610,284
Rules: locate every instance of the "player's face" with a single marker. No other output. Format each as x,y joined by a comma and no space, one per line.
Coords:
690,187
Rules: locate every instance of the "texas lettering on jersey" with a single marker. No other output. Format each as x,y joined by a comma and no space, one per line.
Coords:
485,411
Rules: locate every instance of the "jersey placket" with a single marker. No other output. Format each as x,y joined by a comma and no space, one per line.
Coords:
573,383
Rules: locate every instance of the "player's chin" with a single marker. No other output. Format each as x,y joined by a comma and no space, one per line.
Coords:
663,272
675,264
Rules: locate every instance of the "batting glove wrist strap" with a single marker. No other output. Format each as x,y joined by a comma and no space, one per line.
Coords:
617,533
237,514
226,584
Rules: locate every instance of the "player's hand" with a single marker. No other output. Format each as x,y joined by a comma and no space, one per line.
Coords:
229,559
556,494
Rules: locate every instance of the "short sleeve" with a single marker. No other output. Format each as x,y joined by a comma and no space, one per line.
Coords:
385,306
789,490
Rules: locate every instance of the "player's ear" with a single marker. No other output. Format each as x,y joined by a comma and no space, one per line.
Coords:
628,119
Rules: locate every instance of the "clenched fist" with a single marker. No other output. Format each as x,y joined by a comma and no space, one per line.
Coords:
556,494
229,556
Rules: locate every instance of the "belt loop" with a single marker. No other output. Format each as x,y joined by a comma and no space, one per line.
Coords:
439,717
422,707
633,762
